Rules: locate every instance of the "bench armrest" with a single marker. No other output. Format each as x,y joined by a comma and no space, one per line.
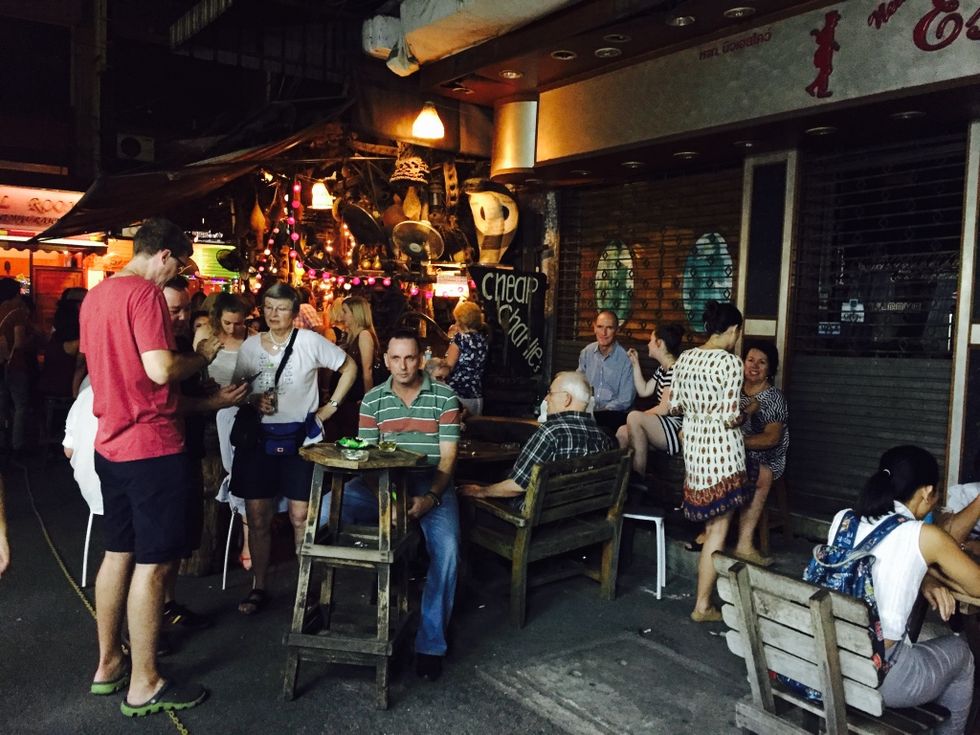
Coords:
494,508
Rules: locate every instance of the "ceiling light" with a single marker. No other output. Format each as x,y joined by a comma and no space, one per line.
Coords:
907,115
563,55
686,155
679,21
322,198
608,52
462,89
617,38
427,125
744,143
742,11
580,172
821,130
510,74
632,164
533,180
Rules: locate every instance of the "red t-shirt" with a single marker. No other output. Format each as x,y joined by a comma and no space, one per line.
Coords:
122,318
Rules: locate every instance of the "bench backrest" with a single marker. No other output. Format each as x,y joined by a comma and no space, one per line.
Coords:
812,635
567,488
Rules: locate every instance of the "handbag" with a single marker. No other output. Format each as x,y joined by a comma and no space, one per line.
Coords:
283,439
247,431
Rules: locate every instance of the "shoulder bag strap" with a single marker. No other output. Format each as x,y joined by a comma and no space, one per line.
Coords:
285,357
881,530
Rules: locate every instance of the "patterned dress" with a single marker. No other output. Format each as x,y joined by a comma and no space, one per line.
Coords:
772,409
671,424
706,389
467,376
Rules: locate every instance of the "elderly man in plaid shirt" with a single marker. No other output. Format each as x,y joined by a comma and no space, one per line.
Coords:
570,431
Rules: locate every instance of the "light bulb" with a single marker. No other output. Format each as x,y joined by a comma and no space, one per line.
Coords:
428,125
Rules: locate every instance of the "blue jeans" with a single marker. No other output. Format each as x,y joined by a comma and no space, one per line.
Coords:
440,526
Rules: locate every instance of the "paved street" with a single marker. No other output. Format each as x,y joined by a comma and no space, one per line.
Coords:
580,665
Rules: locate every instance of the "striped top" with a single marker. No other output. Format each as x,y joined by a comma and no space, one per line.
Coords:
433,417
663,380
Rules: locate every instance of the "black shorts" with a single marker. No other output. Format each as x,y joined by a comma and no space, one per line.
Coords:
256,475
146,504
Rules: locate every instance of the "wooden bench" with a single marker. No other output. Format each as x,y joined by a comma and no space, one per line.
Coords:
816,637
570,504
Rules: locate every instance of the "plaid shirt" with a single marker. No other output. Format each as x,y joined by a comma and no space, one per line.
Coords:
563,436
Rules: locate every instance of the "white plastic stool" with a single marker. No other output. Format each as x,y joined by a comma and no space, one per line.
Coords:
661,545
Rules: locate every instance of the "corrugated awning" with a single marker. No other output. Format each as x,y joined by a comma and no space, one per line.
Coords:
117,201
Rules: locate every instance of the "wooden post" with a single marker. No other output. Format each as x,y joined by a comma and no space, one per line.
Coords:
755,655
825,638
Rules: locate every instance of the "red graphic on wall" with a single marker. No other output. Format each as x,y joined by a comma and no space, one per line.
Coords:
942,25
824,55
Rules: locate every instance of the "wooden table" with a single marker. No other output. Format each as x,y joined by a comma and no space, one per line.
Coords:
310,637
484,461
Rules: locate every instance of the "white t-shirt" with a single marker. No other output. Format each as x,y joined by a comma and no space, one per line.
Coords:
897,572
81,426
960,496
297,390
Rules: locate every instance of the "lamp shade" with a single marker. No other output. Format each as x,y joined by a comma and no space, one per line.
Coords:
320,196
427,125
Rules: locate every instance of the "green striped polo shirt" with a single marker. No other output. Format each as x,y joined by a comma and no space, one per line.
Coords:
433,417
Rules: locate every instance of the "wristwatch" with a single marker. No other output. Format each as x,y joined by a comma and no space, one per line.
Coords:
435,498
333,403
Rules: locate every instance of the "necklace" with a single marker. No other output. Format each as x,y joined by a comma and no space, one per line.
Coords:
276,345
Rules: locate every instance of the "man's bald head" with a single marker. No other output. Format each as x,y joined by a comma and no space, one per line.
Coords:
569,391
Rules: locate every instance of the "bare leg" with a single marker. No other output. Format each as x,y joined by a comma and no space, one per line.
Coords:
749,515
111,586
645,430
259,522
297,516
170,582
145,610
623,435
246,553
715,531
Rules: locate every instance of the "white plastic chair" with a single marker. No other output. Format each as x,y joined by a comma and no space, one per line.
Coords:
658,520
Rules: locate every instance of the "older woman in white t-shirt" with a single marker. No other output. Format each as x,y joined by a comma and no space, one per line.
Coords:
938,670
274,468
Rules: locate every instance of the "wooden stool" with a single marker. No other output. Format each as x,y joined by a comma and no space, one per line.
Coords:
770,520
378,549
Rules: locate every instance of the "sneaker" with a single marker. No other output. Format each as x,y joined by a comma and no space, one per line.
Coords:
172,697
176,614
427,666
165,646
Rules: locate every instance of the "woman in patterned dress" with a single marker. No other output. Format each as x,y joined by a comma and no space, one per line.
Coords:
706,390
654,427
467,357
766,438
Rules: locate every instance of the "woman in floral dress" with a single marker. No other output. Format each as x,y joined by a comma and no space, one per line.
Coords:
706,390
467,356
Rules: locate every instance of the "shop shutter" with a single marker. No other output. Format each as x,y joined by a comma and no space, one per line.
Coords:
877,262
654,250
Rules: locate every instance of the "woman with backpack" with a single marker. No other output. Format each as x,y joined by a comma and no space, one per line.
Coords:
941,669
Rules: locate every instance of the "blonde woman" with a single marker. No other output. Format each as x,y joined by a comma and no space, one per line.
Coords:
467,356
360,341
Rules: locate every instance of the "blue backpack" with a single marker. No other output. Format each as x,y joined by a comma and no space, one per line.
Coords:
845,568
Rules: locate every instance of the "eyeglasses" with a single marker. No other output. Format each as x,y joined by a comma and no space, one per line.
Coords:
555,392
183,266
277,309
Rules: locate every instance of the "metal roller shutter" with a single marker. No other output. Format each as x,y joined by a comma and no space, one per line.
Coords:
874,300
682,237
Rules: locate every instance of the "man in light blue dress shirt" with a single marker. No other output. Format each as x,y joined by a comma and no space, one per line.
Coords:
608,370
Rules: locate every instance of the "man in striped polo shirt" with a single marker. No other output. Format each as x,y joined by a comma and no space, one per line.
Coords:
420,415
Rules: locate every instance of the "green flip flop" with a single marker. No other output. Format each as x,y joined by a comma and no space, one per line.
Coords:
170,698
104,688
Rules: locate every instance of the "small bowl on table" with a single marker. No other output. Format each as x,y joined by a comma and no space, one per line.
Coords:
354,455
387,446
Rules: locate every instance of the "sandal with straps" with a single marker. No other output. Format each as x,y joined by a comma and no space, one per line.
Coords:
254,602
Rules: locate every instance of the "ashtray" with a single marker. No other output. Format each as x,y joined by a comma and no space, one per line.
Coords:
387,446
354,455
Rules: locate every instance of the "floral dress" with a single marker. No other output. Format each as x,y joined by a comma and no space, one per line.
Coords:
706,389
467,376
772,409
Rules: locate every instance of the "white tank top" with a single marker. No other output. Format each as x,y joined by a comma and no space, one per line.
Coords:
897,572
222,367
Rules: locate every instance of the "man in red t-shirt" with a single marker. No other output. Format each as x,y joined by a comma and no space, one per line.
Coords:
128,343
